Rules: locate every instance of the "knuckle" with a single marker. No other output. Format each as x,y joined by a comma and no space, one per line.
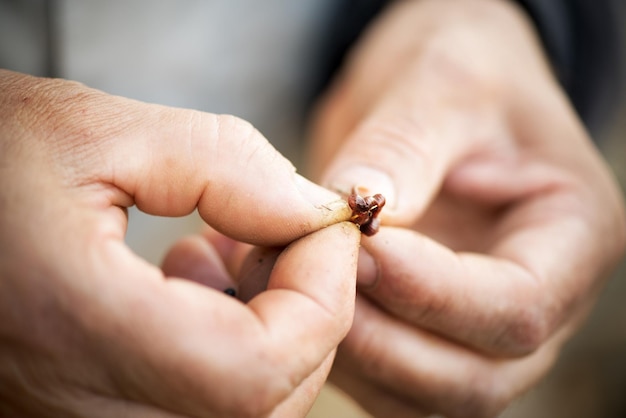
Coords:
236,132
402,136
461,79
236,136
526,332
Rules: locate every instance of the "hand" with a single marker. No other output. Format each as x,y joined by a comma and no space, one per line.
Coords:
89,329
501,221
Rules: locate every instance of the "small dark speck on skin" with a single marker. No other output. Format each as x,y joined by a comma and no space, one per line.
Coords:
230,292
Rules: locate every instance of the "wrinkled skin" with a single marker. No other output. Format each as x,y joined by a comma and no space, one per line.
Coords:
89,329
500,226
502,221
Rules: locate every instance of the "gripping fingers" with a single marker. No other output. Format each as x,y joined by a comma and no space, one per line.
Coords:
471,298
421,372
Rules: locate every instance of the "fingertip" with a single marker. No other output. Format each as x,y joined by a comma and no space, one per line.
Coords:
322,265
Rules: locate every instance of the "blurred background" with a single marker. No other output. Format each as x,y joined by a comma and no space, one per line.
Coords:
589,380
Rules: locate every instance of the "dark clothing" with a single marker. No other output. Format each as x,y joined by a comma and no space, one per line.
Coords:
582,38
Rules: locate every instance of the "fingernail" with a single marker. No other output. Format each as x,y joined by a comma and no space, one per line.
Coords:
371,179
367,270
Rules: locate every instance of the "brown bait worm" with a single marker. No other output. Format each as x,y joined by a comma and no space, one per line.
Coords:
365,211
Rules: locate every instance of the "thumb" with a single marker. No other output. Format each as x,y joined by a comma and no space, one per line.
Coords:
404,147
171,161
